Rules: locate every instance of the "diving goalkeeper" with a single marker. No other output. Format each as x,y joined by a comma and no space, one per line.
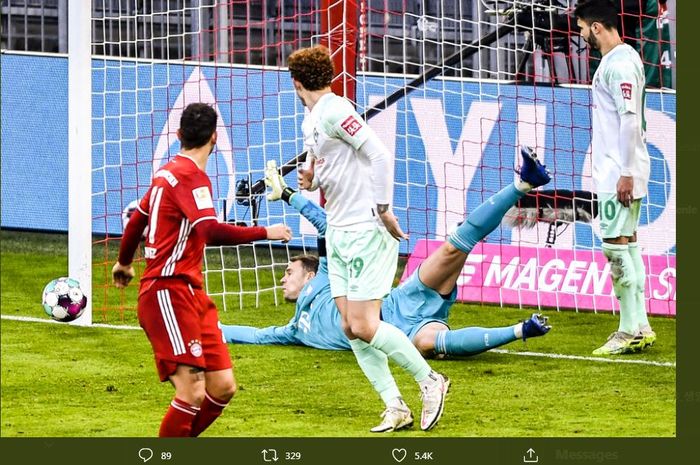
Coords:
419,306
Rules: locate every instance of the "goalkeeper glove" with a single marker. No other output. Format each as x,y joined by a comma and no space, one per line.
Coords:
275,181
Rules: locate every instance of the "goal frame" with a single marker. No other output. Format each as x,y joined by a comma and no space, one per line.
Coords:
80,150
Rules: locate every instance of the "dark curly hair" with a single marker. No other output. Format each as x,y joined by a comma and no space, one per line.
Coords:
312,67
197,124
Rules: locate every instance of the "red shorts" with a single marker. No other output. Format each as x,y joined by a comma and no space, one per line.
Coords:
183,326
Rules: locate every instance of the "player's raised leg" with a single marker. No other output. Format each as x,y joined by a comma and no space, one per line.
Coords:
442,268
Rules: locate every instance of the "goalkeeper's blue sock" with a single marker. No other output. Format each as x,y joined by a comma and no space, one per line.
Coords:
472,341
375,366
485,218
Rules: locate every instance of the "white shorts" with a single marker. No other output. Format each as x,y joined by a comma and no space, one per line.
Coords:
361,264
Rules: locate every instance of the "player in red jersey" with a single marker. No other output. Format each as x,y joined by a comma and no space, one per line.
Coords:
179,319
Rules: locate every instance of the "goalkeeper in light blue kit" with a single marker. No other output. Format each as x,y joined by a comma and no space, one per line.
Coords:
419,307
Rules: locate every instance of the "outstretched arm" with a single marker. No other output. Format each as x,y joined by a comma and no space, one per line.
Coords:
280,335
310,210
279,190
216,233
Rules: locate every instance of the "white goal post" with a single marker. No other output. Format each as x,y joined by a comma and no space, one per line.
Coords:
80,150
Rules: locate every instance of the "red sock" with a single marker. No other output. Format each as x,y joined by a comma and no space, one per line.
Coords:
209,411
177,421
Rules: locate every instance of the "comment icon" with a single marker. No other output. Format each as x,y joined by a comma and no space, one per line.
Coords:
145,454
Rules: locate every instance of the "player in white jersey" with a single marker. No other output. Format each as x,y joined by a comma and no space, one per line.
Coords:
620,168
348,161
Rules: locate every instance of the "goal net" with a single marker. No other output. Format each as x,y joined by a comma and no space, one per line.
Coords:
454,89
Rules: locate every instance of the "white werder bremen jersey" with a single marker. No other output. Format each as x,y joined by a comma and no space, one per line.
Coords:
333,133
618,88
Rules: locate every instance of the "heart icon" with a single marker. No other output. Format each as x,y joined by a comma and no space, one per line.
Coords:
398,454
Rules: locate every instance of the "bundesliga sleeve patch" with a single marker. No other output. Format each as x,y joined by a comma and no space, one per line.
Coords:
626,89
351,125
202,198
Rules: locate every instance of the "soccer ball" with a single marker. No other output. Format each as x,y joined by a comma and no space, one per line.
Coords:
63,299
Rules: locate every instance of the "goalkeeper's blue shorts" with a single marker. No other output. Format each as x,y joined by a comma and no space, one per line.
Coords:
412,305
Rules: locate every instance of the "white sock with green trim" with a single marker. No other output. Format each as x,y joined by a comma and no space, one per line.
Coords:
624,284
640,281
375,366
395,344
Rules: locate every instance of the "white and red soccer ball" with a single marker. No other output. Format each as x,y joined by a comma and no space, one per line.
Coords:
63,300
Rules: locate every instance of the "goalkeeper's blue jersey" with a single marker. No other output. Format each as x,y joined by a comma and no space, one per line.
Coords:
316,321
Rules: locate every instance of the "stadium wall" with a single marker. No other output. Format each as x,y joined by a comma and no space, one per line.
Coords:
459,138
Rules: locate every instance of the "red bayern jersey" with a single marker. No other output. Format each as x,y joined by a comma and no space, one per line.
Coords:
180,197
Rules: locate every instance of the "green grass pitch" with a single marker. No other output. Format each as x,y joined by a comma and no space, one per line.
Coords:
59,380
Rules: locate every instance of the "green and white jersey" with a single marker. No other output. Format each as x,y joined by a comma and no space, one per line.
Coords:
618,88
333,134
